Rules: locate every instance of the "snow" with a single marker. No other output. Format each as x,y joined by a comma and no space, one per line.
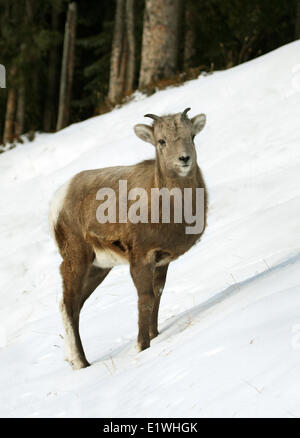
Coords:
229,318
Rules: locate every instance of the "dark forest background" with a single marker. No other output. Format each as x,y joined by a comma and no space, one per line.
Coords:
67,61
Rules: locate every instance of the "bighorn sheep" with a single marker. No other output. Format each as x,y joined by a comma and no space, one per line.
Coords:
90,249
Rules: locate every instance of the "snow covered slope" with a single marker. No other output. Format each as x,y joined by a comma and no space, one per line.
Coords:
230,313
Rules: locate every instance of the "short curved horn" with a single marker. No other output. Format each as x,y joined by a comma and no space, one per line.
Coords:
154,117
183,115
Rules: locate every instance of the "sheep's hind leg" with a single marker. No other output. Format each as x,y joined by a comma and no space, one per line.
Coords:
78,286
73,278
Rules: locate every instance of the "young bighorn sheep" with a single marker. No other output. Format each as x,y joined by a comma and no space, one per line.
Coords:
90,249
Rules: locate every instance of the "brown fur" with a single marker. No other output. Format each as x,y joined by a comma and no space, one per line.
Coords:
149,248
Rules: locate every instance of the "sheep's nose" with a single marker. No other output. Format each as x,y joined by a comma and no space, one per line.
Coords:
185,158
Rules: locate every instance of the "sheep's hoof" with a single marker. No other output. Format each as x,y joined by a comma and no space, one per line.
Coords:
140,346
77,364
154,334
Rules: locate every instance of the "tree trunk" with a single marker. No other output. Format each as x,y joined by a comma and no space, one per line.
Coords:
122,61
297,27
50,103
9,126
29,10
20,117
189,37
20,104
123,66
116,81
67,68
160,41
131,46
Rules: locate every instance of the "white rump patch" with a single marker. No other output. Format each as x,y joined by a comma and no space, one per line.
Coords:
56,205
106,258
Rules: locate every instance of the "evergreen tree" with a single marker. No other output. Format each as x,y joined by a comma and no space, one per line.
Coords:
160,41
211,34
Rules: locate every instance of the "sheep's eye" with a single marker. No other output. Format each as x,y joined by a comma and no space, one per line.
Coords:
161,141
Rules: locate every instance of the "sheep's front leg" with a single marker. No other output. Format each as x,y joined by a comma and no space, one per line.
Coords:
159,280
142,276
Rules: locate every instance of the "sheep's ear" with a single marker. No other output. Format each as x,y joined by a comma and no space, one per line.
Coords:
145,133
198,123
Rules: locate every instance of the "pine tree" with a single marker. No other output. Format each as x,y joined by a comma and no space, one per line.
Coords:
190,35
210,34
49,118
9,126
297,27
122,63
67,69
130,27
160,41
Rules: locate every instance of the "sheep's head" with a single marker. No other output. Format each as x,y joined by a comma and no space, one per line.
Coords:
173,136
